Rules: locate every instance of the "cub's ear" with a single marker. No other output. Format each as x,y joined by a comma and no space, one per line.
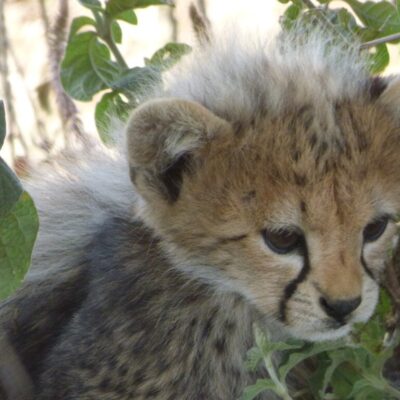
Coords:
164,136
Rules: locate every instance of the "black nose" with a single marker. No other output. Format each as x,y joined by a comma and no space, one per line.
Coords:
339,309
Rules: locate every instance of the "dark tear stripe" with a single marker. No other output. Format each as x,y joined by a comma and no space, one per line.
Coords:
366,268
292,286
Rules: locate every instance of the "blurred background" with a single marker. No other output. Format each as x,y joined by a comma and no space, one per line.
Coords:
35,131
35,126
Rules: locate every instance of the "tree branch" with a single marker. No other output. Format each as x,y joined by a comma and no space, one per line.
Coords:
385,39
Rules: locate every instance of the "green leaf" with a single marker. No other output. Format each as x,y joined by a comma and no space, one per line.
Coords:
307,351
292,12
110,106
91,4
115,7
3,128
147,3
168,55
253,359
18,230
381,15
128,16
116,32
134,81
343,380
337,357
78,23
87,67
347,20
10,188
100,59
250,392
290,15
363,389
379,59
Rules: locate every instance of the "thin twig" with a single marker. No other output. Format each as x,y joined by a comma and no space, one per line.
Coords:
200,24
174,24
45,19
66,107
40,125
202,7
117,54
382,40
104,31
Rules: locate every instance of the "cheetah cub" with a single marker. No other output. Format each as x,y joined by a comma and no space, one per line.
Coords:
259,183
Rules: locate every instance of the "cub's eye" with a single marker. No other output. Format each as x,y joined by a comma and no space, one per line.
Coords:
374,230
282,241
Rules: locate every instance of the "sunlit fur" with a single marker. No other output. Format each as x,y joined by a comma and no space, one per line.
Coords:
242,136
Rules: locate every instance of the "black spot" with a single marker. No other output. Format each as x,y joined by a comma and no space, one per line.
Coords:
105,385
220,345
192,298
303,206
377,86
323,147
229,326
121,390
341,256
153,392
238,127
347,151
172,177
238,300
162,365
359,133
209,324
306,115
313,140
296,155
300,180
122,370
249,196
139,377
292,286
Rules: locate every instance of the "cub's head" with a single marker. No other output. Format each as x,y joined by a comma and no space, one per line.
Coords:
293,208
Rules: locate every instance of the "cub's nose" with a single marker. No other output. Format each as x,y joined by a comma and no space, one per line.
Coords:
339,309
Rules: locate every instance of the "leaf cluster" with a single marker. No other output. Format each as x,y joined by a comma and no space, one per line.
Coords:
361,21
352,368
93,63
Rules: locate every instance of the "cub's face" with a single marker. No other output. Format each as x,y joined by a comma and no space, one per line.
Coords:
297,220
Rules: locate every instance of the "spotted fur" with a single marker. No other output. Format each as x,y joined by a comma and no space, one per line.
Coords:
151,268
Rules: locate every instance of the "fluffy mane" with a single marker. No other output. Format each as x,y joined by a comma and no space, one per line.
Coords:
238,75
